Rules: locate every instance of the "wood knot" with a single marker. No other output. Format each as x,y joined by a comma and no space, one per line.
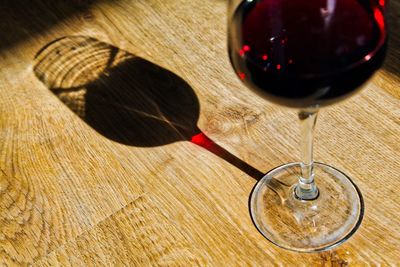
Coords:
87,15
332,258
231,120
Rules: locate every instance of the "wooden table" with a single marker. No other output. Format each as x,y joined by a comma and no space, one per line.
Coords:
106,108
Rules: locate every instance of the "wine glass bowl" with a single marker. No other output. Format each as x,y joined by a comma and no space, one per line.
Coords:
306,54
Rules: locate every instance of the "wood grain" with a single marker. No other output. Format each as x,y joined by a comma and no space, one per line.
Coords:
98,162
139,234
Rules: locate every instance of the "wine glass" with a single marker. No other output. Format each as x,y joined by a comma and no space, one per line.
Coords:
306,54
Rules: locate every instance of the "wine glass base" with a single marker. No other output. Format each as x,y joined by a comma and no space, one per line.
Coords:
306,225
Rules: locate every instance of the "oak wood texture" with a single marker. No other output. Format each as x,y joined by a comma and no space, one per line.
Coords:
104,111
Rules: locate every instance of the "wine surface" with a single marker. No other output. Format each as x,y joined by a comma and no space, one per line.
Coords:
304,53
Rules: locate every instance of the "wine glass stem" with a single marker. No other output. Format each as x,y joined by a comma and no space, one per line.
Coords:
306,188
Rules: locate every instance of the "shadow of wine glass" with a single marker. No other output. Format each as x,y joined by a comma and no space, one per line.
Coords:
124,97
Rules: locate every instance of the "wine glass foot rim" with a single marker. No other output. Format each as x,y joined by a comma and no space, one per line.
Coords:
321,248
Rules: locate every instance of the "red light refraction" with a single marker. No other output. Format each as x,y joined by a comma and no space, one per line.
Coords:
202,140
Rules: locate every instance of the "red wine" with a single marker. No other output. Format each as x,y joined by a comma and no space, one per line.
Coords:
302,53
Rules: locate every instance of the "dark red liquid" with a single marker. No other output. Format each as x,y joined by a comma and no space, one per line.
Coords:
302,53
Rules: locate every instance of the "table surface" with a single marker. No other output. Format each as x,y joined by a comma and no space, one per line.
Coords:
125,137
